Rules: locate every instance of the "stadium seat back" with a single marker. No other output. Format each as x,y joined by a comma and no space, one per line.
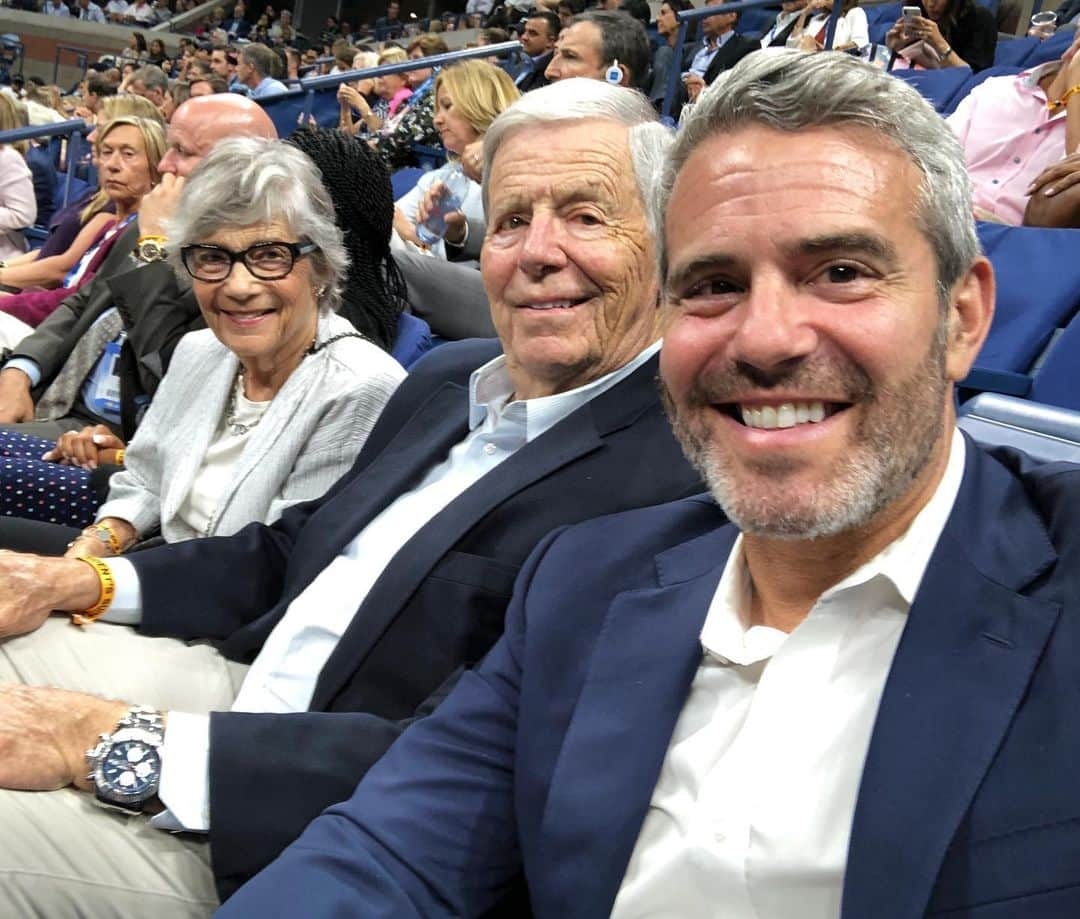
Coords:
938,87
880,19
1038,291
413,340
1014,52
1057,381
1051,49
1046,433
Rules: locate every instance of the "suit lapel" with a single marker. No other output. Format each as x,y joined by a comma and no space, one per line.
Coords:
437,425
963,664
420,554
578,434
646,656
216,376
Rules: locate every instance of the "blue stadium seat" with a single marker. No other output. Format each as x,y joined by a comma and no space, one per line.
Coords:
285,109
973,80
880,19
991,5
1057,379
1014,51
1038,291
413,340
755,22
1044,432
428,157
938,87
1051,49
404,180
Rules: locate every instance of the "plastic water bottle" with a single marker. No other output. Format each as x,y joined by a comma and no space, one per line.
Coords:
456,188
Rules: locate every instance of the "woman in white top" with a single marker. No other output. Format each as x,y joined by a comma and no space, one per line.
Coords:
852,28
270,405
468,97
18,207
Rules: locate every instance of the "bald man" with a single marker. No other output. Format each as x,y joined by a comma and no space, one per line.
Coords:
50,382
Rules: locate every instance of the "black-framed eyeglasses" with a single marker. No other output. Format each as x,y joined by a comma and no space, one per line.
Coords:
267,261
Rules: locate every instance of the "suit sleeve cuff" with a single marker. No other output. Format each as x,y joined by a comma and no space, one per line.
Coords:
27,366
126,607
185,774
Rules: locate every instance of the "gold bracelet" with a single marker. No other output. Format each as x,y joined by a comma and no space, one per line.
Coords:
120,454
1064,100
105,598
152,238
103,532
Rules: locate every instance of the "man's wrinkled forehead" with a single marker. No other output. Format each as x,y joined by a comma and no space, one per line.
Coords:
564,161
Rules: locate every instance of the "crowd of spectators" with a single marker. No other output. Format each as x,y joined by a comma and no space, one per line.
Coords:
209,344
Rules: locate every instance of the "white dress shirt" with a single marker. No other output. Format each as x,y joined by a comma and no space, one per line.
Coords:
705,54
751,815
283,676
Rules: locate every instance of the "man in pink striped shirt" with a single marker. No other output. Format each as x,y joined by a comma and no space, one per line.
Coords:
1021,136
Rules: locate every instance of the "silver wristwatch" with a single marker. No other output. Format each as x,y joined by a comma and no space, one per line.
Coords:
125,766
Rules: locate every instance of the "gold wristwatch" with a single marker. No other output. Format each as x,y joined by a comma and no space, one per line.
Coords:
150,249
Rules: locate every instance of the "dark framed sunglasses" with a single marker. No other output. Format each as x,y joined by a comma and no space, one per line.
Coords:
267,261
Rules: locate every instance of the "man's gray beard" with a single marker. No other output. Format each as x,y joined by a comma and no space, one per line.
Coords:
863,483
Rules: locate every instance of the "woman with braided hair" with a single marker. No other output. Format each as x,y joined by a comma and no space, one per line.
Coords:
373,292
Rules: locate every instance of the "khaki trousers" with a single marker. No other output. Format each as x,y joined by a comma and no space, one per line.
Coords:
62,856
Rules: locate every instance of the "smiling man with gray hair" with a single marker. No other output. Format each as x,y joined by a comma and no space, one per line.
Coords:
357,611
857,699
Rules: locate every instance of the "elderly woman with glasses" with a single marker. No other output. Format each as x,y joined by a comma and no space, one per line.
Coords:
269,405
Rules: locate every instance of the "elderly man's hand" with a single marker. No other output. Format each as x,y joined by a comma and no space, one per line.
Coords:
16,405
33,586
45,733
88,448
159,205
695,83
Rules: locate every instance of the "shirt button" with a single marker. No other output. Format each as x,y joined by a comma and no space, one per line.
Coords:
489,449
1016,159
1038,130
993,181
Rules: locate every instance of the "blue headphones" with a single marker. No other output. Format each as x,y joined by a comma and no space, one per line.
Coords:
613,74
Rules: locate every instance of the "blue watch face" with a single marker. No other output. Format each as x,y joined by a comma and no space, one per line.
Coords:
131,768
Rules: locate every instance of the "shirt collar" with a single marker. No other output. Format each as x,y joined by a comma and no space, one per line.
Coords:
1030,78
490,390
903,563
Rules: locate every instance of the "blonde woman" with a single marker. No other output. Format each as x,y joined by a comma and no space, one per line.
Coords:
128,151
66,224
18,207
468,97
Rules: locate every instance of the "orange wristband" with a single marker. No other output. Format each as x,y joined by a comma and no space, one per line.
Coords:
105,598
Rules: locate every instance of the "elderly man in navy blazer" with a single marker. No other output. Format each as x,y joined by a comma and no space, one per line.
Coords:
357,610
863,698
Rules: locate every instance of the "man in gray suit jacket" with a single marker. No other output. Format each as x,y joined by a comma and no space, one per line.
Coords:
356,612
134,280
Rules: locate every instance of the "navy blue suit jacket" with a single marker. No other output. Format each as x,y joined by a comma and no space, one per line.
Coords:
545,757
439,605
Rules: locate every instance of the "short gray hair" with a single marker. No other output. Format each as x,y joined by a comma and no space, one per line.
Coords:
578,99
249,180
261,58
791,91
152,77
